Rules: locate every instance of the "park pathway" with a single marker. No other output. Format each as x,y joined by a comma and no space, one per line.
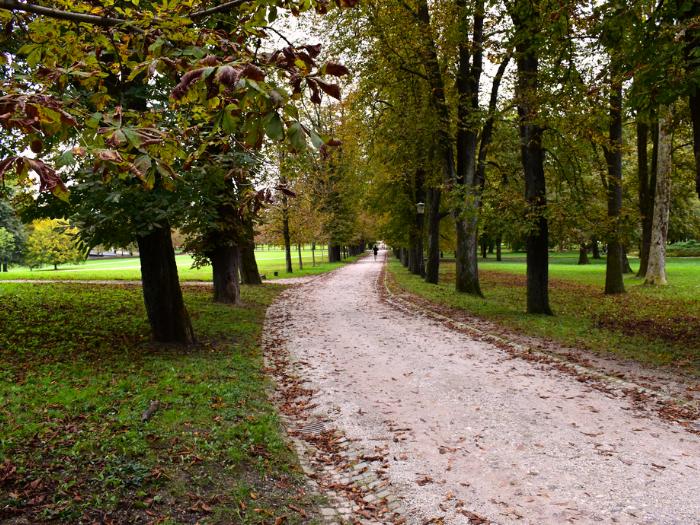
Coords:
455,430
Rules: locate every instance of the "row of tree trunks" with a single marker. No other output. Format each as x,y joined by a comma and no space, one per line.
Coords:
403,256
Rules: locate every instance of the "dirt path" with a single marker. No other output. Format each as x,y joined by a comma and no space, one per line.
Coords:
462,430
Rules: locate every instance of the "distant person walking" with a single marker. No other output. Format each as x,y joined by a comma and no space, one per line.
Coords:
375,250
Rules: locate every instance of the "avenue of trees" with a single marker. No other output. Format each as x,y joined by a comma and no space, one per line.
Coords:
463,125
535,122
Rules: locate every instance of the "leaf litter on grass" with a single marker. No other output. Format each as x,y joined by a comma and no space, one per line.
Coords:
78,375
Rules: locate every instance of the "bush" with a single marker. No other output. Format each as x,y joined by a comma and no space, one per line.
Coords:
684,249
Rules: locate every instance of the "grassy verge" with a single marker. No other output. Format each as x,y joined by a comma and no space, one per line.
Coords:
77,373
656,326
128,269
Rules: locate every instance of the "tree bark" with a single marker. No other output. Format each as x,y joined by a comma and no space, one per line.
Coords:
333,252
692,38
583,254
432,268
499,254
170,322
647,192
694,102
285,232
526,19
467,212
614,282
595,249
301,263
225,269
248,265
626,267
656,270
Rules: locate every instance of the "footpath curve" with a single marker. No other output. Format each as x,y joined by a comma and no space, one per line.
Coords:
400,419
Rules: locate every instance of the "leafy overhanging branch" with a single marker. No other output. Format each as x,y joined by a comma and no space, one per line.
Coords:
107,21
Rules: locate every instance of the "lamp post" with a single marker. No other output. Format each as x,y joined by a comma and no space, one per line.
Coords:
420,212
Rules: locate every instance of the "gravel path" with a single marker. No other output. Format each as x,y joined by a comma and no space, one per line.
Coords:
467,429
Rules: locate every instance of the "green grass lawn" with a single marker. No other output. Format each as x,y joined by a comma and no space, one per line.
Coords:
128,268
653,325
77,371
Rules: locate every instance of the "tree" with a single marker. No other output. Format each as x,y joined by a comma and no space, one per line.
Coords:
11,224
7,247
106,89
54,242
527,19
656,270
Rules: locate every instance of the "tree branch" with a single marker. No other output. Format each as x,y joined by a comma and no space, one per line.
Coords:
216,9
103,21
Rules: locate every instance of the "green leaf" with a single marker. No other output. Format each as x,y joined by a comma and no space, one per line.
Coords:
66,159
316,139
228,122
132,137
297,137
274,127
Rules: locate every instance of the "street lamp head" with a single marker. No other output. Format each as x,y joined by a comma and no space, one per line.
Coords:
420,208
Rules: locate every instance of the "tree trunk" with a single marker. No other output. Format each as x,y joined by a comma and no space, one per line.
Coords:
656,270
249,266
595,249
333,253
313,254
432,268
692,38
301,263
583,254
526,20
286,234
643,192
170,322
614,282
404,256
626,267
694,102
499,254
225,268
4,265
647,189
467,213
415,256
466,257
